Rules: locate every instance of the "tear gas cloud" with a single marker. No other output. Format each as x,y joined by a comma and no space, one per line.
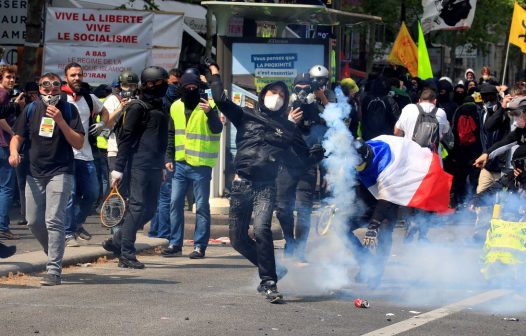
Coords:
420,273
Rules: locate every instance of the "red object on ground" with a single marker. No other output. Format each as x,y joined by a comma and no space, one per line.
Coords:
359,303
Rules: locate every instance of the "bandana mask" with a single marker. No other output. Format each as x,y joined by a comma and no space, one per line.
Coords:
50,100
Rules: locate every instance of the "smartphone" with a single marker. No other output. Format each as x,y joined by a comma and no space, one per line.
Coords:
204,95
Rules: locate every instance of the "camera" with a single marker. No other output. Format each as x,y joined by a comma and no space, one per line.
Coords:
127,95
518,164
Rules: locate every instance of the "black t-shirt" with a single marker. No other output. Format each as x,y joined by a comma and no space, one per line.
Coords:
48,156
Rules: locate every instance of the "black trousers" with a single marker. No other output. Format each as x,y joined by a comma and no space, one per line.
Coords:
247,197
144,189
295,189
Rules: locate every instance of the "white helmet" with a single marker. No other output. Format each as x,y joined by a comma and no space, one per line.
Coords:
319,71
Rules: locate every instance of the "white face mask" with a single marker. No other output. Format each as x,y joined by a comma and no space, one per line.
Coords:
274,102
519,122
50,99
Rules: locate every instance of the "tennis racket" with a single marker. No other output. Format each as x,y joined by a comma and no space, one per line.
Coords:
325,219
113,208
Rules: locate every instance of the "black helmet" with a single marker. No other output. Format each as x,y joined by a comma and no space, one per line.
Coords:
128,77
193,71
153,73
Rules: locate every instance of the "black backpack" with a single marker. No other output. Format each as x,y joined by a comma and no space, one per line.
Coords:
119,123
426,132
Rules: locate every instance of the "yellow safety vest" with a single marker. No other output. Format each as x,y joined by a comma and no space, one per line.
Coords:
102,142
194,142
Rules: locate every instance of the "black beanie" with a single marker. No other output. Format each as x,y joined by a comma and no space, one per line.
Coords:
189,78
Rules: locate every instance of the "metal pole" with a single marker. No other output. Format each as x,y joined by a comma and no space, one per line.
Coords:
505,64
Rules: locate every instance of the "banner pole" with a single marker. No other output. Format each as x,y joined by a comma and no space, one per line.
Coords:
506,63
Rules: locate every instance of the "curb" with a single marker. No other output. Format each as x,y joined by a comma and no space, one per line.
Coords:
35,262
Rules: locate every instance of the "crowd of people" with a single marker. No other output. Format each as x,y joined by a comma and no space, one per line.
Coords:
156,136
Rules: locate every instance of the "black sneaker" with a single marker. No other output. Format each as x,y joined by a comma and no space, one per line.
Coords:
83,234
197,253
21,222
171,251
270,290
7,251
130,263
110,247
50,280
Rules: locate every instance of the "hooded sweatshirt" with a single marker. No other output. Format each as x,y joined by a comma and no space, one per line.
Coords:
263,136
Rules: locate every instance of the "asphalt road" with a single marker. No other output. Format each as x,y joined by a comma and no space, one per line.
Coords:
217,296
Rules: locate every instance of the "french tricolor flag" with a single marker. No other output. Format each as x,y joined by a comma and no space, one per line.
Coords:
406,174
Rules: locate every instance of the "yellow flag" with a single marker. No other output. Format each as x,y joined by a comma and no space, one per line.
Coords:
404,51
518,27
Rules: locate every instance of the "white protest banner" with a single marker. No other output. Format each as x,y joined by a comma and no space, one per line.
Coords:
101,65
167,58
168,30
112,28
447,14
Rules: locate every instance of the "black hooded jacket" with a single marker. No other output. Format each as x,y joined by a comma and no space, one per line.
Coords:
263,136
144,135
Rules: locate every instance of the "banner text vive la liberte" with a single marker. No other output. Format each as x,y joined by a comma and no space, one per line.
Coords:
97,31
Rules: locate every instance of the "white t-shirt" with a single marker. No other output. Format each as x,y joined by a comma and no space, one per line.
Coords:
407,120
85,153
111,104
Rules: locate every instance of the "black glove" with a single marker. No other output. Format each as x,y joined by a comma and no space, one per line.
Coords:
316,153
208,61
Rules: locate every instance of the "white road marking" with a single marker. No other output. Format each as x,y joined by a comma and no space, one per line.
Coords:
417,321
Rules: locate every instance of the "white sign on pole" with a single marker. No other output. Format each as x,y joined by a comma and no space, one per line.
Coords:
101,65
447,14
130,29
13,16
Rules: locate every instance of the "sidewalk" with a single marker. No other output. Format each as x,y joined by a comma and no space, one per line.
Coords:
30,257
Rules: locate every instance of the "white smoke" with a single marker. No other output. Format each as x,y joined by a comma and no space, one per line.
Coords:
329,261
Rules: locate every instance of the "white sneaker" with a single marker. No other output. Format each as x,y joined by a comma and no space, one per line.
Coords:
71,241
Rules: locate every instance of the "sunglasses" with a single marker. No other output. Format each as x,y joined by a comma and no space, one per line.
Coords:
48,84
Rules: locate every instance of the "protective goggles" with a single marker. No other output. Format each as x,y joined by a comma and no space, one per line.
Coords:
515,113
47,84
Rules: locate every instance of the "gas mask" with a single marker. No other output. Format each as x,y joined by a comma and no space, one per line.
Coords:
303,95
50,100
273,103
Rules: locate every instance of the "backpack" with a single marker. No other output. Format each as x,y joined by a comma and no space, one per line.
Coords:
375,119
466,130
119,123
426,132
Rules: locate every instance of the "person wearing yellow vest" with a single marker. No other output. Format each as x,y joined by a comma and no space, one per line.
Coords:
193,143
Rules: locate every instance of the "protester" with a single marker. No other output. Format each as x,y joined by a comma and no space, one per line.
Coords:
413,124
486,77
193,143
351,90
469,76
7,173
459,93
296,180
444,97
86,189
142,143
379,111
53,126
263,135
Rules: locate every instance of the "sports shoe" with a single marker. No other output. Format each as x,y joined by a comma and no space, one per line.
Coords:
197,253
171,251
130,263
110,247
21,222
7,251
83,234
270,290
50,280
71,241
8,235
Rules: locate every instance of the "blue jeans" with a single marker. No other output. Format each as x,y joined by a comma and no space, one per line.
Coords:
84,193
160,223
7,188
200,177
